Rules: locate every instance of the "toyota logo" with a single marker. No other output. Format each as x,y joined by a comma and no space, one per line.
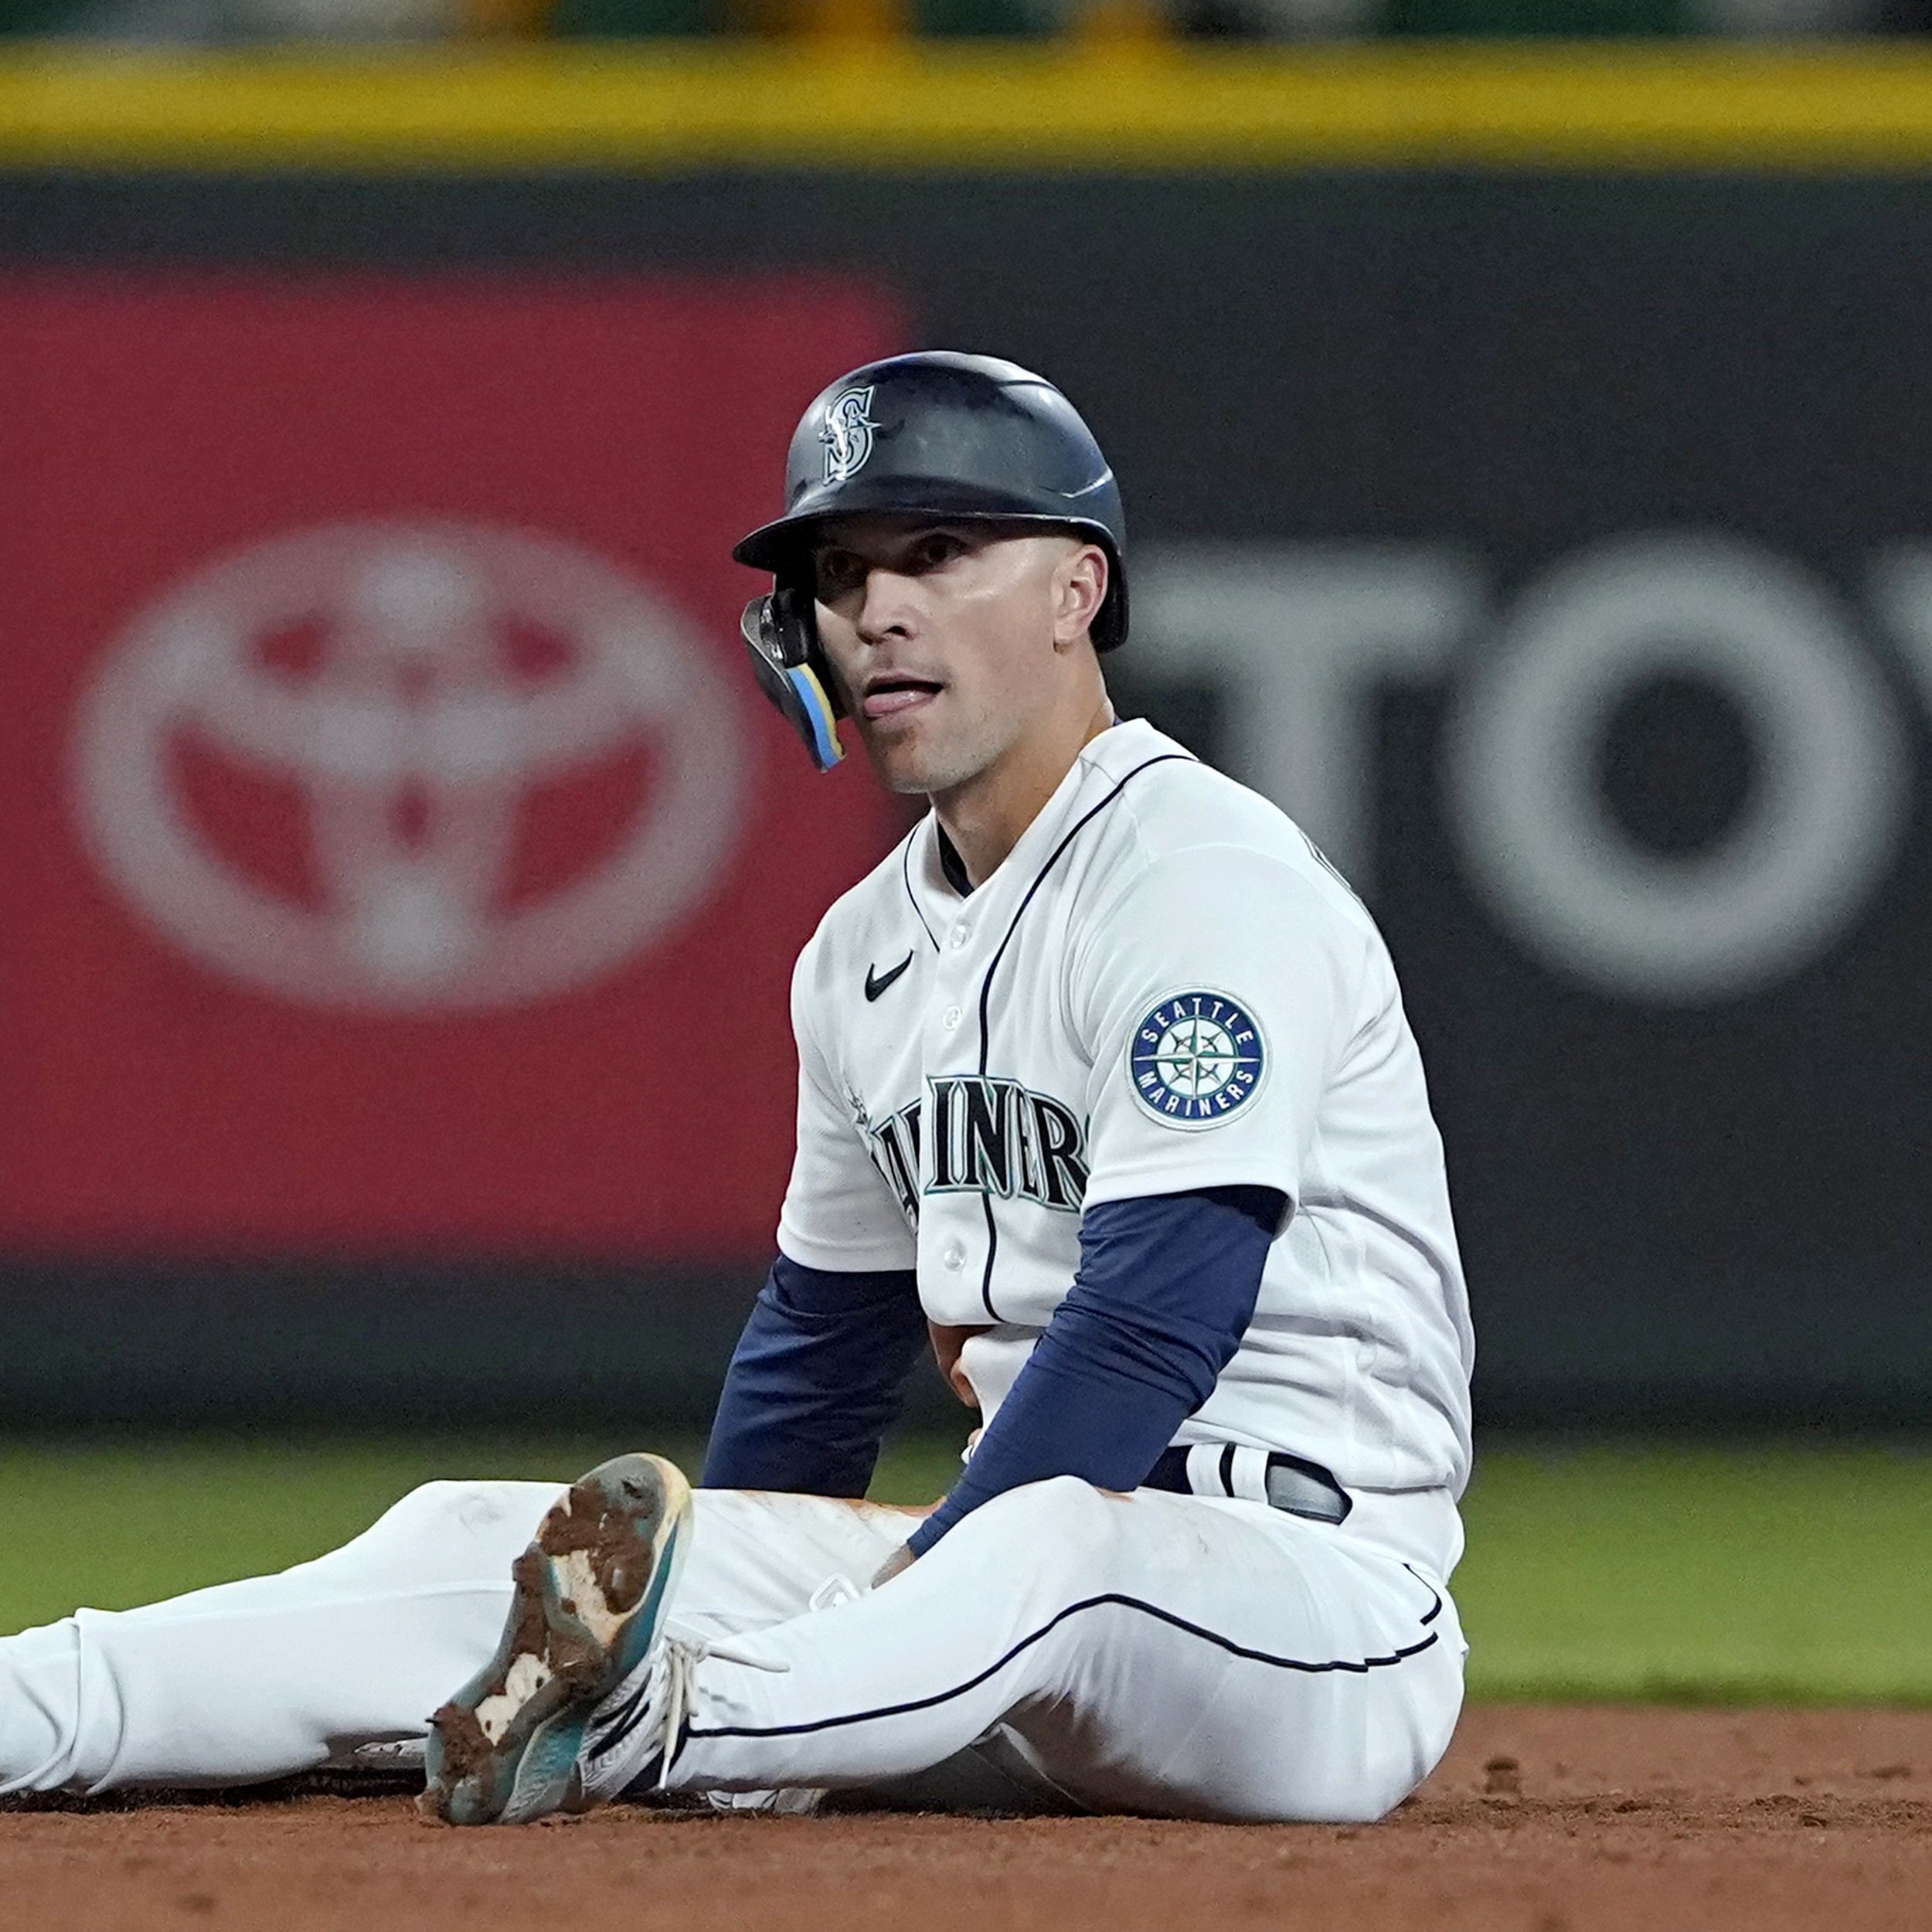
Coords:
322,766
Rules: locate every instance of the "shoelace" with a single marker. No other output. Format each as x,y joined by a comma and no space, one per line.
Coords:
682,1657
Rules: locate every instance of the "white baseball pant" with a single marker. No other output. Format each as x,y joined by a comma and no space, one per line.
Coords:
1061,1649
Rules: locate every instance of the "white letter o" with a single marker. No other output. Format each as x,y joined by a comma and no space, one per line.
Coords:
1824,819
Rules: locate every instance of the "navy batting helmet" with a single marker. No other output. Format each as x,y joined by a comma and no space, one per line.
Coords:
959,438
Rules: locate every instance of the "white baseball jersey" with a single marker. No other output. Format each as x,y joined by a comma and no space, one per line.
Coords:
1165,987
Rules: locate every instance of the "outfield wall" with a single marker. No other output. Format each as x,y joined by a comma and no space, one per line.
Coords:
1528,486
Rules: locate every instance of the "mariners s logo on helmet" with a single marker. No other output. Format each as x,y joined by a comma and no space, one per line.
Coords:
1196,1057
847,435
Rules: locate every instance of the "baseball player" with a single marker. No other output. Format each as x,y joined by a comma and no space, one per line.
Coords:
1105,1092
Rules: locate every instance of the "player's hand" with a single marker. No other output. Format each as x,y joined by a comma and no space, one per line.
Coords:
901,1558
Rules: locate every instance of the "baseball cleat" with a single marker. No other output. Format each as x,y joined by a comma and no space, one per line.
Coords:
591,1596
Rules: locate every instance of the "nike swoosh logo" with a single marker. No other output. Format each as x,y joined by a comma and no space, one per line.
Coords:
876,982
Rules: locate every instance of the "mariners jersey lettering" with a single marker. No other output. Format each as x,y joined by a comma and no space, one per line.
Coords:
1165,987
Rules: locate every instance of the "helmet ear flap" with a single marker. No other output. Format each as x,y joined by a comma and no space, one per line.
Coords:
791,667
1109,630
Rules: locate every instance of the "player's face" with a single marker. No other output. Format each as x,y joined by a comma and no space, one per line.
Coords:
950,641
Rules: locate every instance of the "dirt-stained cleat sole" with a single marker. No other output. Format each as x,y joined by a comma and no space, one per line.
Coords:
590,1596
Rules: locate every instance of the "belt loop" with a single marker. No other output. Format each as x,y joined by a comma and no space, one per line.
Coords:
1249,1475
1204,1470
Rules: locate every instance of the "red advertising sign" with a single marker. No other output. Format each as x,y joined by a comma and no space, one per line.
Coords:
397,859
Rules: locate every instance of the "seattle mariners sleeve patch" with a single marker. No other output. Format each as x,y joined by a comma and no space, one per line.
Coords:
1195,1058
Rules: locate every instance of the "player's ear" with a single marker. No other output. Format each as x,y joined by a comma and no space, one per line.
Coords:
1080,589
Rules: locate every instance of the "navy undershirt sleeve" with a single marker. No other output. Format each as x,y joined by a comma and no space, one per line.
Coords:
816,1380
1165,1289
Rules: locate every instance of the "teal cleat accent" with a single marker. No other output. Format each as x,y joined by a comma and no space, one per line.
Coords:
591,1596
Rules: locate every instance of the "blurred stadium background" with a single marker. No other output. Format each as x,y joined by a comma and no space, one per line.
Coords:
1524,445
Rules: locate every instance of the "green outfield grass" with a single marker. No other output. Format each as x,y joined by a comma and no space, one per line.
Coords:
1761,1572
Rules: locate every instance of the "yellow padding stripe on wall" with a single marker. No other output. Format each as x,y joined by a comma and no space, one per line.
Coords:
662,106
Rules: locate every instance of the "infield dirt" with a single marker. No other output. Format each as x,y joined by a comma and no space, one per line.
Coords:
1542,1819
